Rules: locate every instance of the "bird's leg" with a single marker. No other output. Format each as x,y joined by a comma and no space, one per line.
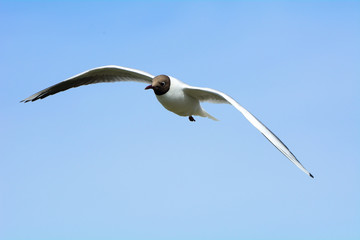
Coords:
191,119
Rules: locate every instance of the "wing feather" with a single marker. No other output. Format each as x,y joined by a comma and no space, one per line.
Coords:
96,75
211,95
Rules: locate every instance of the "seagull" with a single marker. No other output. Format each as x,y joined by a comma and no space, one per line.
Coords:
176,96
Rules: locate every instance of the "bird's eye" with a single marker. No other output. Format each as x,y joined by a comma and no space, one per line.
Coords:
162,83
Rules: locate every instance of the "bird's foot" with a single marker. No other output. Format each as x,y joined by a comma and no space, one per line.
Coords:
191,119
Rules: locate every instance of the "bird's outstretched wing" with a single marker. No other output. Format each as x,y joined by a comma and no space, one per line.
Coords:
211,95
96,75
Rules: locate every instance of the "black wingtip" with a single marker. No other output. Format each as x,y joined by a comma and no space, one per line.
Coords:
311,175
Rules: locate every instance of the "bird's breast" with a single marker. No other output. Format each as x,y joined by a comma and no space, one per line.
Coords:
179,103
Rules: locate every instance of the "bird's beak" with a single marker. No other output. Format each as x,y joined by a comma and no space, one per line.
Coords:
149,87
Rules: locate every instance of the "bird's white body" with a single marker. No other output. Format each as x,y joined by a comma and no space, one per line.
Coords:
180,103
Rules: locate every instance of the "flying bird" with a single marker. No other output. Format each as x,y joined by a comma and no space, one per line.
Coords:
176,96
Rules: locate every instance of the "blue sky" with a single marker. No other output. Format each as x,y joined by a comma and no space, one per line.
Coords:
107,161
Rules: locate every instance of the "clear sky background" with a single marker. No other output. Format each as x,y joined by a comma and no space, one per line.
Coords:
107,161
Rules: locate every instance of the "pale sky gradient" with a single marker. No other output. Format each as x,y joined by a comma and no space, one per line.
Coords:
107,161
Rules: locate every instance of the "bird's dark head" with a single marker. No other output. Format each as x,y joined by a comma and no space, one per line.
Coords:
160,84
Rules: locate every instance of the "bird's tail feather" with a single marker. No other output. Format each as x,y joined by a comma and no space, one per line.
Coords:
205,114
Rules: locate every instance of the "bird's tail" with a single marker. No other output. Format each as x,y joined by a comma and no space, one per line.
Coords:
205,114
